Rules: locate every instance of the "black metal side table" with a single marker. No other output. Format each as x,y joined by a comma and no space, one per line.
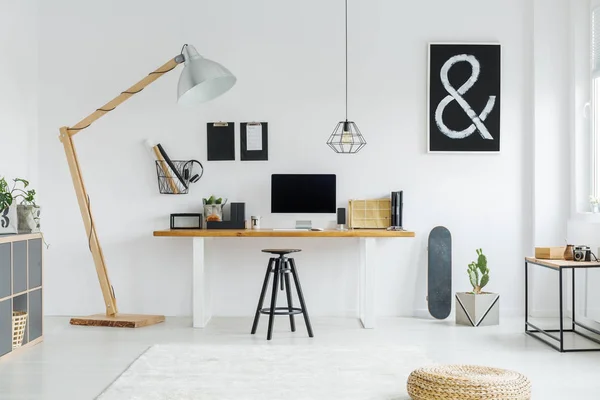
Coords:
559,266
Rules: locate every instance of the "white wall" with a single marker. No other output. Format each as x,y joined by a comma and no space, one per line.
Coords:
18,89
289,60
552,119
551,144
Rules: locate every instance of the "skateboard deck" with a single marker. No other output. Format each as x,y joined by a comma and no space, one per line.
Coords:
439,273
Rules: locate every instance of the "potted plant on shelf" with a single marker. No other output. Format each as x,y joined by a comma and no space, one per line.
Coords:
28,212
8,211
478,308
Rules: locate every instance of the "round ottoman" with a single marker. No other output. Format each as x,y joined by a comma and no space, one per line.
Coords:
467,382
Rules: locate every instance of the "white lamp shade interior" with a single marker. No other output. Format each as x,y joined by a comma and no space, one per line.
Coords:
201,79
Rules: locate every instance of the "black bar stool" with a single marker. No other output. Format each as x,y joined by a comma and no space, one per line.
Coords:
281,267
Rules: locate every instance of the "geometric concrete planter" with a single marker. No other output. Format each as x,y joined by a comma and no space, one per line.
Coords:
29,218
477,309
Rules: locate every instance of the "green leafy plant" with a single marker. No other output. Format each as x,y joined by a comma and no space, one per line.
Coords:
6,198
479,273
212,200
27,196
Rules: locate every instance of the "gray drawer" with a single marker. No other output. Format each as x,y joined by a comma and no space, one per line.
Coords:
5,270
19,267
5,326
35,314
35,263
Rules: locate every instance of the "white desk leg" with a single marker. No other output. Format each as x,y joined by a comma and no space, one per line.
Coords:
201,310
366,282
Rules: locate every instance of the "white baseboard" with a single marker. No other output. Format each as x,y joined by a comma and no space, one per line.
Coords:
504,312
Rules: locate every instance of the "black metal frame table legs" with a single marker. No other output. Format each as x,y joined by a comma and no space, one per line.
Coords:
281,267
549,336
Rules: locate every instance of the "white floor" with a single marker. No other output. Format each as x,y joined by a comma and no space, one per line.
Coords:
79,362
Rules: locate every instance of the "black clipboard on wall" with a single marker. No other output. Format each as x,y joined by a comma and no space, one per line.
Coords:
254,141
220,141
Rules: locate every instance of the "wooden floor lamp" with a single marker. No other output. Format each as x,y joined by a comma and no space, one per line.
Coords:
201,80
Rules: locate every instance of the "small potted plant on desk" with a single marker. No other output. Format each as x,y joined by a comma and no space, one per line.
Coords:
213,208
478,308
27,210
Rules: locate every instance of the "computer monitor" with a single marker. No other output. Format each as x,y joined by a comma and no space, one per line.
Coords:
303,193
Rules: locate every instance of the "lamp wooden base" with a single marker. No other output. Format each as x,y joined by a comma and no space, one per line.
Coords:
119,320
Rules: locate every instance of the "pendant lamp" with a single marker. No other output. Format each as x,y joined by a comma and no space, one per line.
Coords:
346,137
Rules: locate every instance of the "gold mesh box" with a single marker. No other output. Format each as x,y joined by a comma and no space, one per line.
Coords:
370,214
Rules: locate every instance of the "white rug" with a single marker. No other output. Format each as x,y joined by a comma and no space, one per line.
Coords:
183,372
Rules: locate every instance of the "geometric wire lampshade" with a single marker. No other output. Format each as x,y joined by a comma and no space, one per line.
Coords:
346,138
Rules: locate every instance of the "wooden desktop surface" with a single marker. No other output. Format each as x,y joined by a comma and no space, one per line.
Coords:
355,233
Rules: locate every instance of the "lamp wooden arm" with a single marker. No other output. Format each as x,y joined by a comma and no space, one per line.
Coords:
114,103
66,137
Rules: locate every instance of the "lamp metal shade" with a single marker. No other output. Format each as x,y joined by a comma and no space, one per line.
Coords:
346,138
201,79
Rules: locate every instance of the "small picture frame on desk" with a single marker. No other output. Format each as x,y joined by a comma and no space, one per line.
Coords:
186,221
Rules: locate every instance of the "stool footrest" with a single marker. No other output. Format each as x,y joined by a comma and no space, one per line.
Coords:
282,311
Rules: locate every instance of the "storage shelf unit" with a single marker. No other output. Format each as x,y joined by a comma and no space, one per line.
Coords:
21,288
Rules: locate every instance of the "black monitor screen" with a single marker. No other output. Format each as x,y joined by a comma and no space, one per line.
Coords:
303,194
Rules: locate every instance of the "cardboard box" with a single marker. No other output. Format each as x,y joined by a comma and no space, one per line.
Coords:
550,253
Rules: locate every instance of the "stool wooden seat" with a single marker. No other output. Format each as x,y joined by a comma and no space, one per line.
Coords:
281,267
281,251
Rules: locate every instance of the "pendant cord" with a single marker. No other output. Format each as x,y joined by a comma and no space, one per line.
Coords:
346,26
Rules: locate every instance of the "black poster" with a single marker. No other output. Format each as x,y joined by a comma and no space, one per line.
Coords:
464,98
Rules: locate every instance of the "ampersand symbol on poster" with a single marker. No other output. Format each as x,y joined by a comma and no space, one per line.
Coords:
457,95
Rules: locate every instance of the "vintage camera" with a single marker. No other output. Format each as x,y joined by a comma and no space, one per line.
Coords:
582,253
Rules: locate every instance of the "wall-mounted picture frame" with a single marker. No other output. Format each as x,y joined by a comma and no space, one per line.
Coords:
464,97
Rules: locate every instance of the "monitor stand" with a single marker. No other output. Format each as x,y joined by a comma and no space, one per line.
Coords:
304,224
396,228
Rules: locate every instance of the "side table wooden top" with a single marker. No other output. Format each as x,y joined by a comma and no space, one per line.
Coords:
558,264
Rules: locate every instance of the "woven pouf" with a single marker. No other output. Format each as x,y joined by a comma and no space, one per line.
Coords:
467,382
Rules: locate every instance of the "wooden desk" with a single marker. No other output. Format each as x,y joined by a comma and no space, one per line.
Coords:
355,233
201,298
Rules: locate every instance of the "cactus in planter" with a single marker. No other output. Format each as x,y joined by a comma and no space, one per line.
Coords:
478,308
479,273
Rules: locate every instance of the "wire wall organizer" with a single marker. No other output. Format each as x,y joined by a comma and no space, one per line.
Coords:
173,181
